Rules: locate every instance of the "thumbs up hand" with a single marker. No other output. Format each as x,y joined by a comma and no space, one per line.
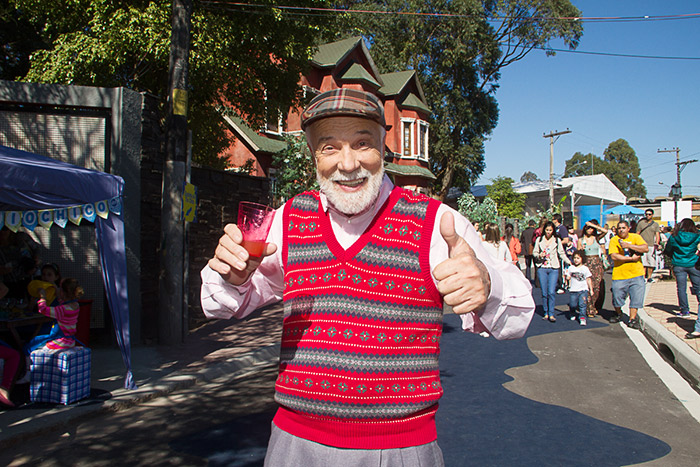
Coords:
462,280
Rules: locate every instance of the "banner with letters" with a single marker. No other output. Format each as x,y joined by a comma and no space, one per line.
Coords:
45,218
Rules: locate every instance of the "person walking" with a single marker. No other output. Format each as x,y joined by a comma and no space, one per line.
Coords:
626,250
650,231
513,243
364,269
527,243
550,255
682,247
493,244
580,286
562,233
589,243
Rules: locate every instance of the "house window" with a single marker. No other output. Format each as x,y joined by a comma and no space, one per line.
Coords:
274,126
408,137
423,140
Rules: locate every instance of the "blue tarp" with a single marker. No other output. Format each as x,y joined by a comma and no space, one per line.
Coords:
32,182
622,210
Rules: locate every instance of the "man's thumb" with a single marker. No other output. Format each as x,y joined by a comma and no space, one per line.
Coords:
455,243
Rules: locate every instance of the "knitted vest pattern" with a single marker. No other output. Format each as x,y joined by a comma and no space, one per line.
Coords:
362,328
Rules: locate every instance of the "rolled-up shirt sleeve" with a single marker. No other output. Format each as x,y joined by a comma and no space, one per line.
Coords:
510,306
265,286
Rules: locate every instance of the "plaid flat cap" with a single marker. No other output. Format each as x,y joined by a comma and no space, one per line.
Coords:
344,102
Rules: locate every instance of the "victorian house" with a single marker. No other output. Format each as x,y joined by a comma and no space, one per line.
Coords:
348,64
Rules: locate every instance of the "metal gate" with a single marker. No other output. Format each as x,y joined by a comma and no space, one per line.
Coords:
79,137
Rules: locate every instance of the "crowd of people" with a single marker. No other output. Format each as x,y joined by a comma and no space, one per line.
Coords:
557,257
27,284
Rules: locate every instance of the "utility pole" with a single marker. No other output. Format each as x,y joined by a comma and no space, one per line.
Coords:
676,190
172,287
551,163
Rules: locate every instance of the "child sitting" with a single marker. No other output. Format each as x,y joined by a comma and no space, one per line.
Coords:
580,285
63,331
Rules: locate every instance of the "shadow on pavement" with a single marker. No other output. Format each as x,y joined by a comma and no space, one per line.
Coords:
241,442
482,423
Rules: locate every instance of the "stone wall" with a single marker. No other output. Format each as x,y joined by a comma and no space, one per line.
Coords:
218,192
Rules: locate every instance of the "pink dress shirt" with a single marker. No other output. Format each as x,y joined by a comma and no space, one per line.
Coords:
507,313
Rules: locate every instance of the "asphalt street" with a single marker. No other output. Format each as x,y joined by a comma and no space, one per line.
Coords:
566,395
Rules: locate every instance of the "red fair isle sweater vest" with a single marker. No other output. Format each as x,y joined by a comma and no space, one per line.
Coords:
362,327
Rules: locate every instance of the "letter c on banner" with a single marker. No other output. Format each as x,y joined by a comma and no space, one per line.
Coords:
89,212
46,218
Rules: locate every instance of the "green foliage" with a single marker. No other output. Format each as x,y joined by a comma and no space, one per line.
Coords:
620,165
247,168
528,177
459,60
296,171
509,202
249,57
580,165
483,212
623,169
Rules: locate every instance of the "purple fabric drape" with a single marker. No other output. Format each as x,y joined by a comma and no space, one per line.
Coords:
31,182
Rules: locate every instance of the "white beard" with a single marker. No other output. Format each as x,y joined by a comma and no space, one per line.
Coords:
351,203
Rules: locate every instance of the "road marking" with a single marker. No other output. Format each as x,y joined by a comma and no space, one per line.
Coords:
680,388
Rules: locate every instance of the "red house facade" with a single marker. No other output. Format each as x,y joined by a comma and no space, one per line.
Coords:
348,64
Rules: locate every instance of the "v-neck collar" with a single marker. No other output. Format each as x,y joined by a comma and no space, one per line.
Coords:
380,212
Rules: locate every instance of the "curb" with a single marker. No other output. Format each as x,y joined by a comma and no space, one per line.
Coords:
672,348
65,416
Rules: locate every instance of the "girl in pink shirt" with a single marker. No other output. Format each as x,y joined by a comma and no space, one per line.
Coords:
65,314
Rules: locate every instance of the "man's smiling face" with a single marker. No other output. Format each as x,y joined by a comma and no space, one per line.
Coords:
348,152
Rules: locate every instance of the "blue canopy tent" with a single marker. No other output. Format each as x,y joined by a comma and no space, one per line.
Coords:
622,210
31,182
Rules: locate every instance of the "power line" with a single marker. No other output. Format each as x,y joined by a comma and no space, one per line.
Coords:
457,15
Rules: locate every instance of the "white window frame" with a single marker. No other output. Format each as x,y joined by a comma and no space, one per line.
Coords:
423,124
410,122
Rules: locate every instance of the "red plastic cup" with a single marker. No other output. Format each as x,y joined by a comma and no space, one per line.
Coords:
254,221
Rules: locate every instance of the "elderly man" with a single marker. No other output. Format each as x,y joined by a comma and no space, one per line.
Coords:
626,250
364,269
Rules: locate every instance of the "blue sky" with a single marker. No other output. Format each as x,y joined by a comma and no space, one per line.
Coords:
652,103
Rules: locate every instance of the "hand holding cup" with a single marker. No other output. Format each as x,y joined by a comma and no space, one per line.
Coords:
242,247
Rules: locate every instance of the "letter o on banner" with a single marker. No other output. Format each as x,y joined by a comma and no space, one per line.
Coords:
30,219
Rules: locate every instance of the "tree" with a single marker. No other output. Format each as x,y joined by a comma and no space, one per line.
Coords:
528,177
580,165
459,59
243,56
622,168
472,209
509,202
296,170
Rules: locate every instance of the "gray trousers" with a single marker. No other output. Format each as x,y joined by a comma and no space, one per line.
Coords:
286,450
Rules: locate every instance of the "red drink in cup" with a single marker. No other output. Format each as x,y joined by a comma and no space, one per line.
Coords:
254,221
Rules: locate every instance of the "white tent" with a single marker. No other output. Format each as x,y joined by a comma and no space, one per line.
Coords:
588,190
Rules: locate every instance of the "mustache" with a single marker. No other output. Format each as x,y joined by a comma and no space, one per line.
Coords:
347,176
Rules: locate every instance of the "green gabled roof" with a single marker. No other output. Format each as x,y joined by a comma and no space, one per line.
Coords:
395,82
417,170
412,101
357,72
329,55
256,141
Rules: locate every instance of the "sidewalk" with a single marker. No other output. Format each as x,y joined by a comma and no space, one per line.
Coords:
218,348
666,331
